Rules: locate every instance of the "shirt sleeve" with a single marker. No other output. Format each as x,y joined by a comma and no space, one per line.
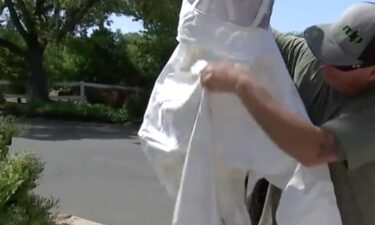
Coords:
355,133
292,49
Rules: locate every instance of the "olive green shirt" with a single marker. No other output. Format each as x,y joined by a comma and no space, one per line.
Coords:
351,119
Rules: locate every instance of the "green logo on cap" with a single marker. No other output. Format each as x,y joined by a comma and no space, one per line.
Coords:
352,34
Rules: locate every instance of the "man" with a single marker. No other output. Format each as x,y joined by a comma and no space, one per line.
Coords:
334,71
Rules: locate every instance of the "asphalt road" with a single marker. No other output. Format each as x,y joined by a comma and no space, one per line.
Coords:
97,171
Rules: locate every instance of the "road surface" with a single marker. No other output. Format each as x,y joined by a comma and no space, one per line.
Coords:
97,171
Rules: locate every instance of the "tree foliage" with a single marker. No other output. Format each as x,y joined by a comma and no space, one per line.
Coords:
159,15
100,58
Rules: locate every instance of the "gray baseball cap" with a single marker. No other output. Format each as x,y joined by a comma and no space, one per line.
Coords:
348,41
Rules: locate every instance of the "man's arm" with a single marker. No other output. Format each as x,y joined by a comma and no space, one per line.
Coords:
309,144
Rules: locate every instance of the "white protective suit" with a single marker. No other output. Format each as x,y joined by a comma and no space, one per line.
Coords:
202,144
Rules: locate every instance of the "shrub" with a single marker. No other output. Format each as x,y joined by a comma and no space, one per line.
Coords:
81,111
19,173
7,130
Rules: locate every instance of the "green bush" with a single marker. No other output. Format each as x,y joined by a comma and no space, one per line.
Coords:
81,111
7,130
18,175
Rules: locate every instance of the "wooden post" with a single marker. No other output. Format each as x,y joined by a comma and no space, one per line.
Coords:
82,90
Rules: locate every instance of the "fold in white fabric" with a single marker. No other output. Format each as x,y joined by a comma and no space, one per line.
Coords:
202,144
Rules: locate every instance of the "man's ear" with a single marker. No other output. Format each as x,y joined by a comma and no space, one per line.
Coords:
372,74
372,78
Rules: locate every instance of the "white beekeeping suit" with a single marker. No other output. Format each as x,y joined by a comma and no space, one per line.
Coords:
202,144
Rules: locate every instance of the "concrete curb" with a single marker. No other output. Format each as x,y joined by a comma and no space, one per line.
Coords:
63,219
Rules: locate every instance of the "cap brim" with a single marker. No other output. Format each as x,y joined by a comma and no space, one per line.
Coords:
320,41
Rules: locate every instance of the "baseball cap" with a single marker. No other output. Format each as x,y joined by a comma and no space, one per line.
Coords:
348,41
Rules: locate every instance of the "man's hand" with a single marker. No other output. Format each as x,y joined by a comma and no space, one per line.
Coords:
223,76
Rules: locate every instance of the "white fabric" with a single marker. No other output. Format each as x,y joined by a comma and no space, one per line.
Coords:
239,12
202,144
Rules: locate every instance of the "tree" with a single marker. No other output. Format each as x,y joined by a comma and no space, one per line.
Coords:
161,15
11,65
100,57
151,49
148,52
41,22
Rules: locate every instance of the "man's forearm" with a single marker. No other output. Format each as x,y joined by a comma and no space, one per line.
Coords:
307,143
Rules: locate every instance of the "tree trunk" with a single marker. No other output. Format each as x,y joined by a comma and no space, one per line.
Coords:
37,86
